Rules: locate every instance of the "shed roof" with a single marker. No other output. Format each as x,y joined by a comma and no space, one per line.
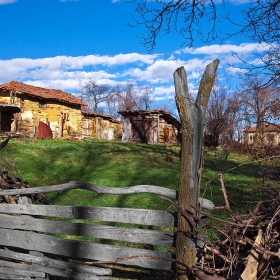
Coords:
11,107
96,115
166,116
21,88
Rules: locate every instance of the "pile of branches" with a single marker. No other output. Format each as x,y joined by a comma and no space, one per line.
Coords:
10,179
249,247
7,182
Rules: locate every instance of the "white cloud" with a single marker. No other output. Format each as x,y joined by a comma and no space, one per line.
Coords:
68,73
161,91
160,71
3,2
226,49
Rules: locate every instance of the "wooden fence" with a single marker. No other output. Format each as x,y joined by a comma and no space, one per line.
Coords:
27,229
35,239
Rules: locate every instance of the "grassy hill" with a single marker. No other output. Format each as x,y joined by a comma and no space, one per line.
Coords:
118,164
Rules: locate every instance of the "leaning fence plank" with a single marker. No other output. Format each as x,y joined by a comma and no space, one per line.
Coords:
105,214
48,262
16,277
70,274
19,272
76,249
93,187
25,269
144,236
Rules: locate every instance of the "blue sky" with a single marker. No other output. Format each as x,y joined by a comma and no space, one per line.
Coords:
61,44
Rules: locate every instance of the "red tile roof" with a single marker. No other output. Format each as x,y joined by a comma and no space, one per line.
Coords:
54,94
270,127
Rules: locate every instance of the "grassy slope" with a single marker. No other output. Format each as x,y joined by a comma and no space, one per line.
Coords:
118,164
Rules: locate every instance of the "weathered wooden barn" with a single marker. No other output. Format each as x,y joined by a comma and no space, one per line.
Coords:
150,126
101,126
60,110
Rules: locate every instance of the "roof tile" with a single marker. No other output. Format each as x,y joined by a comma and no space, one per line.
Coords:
55,94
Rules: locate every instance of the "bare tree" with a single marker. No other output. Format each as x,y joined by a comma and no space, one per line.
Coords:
222,115
259,21
261,24
132,96
258,108
216,115
183,16
257,102
145,96
94,94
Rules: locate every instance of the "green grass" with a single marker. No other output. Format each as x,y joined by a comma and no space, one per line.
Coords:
114,164
118,164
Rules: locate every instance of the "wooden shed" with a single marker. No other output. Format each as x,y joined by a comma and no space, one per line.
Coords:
26,106
150,126
100,126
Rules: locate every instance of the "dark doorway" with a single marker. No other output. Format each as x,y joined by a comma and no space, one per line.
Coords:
6,117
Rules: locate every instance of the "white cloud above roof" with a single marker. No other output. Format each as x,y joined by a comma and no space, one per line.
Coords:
3,2
226,49
69,72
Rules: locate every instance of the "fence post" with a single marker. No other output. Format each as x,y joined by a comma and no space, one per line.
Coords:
192,117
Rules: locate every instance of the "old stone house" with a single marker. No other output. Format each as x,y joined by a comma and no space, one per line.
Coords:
101,126
25,108
271,134
150,126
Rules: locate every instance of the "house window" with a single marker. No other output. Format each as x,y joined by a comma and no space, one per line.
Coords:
42,104
270,138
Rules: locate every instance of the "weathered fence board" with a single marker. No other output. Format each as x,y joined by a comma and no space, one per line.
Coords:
19,272
63,266
86,250
144,236
104,214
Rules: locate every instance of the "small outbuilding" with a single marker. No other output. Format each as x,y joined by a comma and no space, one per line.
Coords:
150,126
100,126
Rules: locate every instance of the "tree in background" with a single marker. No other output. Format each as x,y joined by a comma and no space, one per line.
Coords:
132,96
257,104
222,115
122,96
261,24
216,115
94,94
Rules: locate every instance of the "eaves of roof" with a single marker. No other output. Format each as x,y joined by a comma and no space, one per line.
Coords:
166,116
6,106
268,128
54,94
96,115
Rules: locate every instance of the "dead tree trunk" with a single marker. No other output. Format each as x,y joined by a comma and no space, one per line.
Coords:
192,118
